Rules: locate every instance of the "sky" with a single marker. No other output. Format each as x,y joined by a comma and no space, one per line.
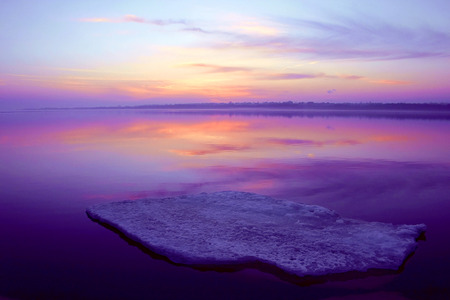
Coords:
107,53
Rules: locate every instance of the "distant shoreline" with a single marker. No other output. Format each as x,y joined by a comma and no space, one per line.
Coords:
289,105
432,111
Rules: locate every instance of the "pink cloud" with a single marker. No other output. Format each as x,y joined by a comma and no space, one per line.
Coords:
212,149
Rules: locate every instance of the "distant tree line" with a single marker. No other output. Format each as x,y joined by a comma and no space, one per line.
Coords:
295,105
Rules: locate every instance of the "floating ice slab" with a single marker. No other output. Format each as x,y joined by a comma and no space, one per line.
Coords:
235,227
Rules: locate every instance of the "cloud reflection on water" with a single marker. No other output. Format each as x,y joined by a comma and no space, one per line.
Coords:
358,161
385,170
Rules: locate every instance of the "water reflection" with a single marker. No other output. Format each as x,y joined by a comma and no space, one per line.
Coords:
54,164
403,114
246,137
134,155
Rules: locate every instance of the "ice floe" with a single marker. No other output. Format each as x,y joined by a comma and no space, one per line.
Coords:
235,227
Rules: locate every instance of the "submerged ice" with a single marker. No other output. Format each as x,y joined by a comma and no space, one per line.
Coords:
236,227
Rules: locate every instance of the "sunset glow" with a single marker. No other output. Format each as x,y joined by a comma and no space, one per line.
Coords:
144,52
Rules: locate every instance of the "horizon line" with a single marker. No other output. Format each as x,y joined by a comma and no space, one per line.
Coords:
264,104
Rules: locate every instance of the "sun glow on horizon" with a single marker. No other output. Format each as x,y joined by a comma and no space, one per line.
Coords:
275,51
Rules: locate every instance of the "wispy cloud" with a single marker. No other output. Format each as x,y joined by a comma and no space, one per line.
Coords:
287,142
211,149
391,82
290,76
350,77
253,27
347,39
293,76
262,74
338,38
218,68
133,19
239,26
98,20
198,30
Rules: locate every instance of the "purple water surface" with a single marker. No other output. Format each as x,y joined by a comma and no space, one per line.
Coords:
56,163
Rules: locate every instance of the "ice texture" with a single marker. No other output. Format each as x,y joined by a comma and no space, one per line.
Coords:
235,227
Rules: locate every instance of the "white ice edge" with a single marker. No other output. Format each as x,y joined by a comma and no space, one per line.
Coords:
235,227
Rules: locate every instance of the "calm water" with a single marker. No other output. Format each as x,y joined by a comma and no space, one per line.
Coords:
55,164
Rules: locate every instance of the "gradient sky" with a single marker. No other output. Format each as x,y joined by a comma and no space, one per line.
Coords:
89,53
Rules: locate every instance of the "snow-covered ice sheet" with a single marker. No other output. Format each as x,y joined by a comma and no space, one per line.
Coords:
236,227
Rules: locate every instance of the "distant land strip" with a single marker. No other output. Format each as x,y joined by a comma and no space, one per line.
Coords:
287,105
428,111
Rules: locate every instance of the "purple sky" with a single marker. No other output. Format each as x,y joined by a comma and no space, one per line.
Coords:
86,53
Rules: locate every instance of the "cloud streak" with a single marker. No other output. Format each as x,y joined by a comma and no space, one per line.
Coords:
338,38
294,76
301,142
391,82
219,69
133,19
291,76
369,40
349,39
212,149
264,75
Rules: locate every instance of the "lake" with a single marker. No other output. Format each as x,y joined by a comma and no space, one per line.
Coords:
375,167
